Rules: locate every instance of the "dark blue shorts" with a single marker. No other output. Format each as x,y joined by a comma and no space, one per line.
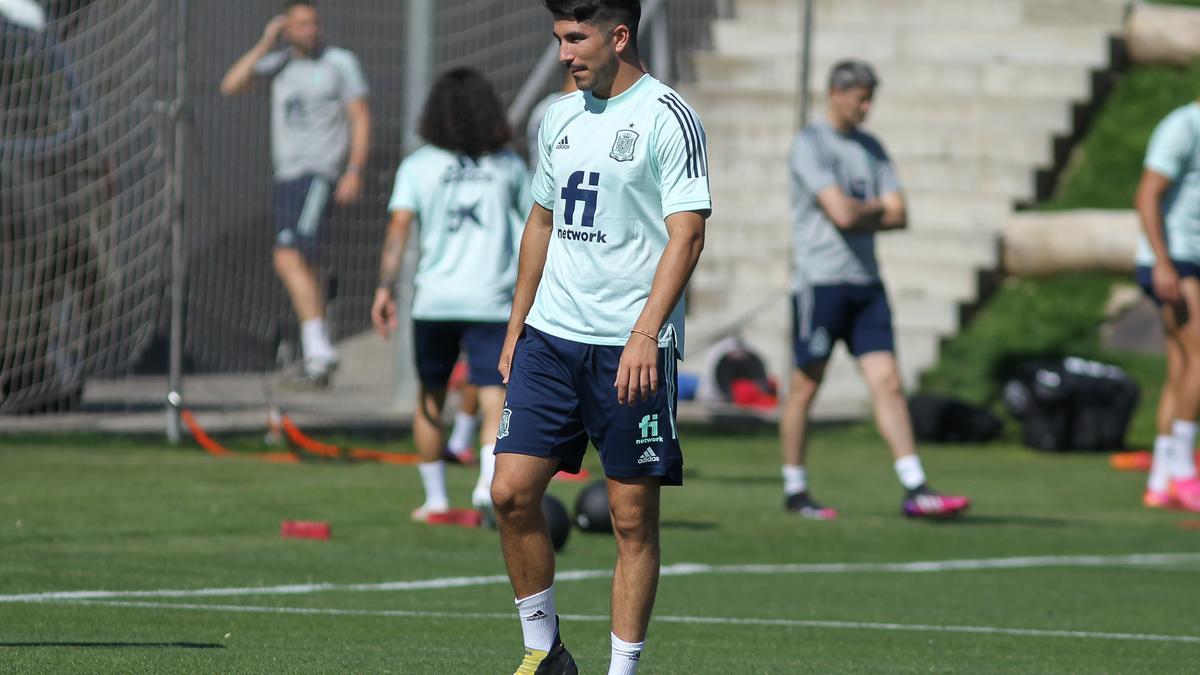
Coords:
1145,276
301,206
858,314
437,345
561,395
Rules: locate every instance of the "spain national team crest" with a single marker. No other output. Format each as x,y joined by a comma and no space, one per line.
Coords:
622,149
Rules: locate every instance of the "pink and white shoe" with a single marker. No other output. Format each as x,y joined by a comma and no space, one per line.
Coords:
925,503
1186,494
1157,499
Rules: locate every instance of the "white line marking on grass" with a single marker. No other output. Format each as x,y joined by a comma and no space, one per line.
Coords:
678,570
693,620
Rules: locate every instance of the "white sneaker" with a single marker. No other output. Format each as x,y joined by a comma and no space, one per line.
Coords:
421,513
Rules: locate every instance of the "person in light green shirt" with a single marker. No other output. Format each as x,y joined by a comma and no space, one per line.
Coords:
1168,259
467,193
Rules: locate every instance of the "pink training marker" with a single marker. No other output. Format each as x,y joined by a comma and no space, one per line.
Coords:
305,529
583,474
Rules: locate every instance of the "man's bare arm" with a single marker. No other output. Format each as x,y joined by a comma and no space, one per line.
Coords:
895,212
350,186
847,213
637,373
535,241
392,257
1148,202
240,78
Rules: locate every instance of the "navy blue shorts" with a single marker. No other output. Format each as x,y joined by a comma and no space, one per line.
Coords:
301,206
561,395
858,314
1145,276
437,345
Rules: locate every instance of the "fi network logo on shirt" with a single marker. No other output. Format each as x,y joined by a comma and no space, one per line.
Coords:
649,428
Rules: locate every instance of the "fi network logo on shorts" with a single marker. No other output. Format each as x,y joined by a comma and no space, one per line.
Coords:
649,428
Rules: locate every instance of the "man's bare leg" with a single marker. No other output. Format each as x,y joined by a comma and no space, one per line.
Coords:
427,436
491,402
517,490
634,504
793,437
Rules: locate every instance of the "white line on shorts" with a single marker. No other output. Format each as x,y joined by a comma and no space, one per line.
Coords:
677,570
692,620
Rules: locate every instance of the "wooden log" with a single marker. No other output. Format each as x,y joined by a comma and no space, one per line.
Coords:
1167,34
1058,241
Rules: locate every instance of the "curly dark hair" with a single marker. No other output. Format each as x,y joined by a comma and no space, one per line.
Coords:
463,114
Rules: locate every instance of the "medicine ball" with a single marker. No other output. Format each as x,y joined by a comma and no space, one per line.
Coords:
591,508
557,519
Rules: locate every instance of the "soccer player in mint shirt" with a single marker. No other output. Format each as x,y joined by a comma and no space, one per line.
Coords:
1168,259
621,197
467,193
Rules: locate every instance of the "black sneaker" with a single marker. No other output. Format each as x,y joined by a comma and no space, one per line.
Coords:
804,506
557,661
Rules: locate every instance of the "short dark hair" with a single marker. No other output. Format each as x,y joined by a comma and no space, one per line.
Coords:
849,74
463,114
628,12
289,4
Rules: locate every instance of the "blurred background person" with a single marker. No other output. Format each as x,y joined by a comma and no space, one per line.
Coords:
467,193
534,126
844,190
1168,259
320,138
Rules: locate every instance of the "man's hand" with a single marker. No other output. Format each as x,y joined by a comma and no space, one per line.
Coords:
383,312
273,30
637,374
349,188
506,354
1166,282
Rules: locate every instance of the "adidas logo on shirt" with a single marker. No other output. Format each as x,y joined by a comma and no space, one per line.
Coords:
563,144
647,457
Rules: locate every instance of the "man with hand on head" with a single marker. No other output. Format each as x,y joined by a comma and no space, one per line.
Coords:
320,137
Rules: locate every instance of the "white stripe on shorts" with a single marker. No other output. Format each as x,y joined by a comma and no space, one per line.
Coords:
314,207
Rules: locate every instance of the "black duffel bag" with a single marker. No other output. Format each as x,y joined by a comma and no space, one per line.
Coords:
1072,404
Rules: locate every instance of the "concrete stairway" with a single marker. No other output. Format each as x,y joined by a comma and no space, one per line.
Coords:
973,94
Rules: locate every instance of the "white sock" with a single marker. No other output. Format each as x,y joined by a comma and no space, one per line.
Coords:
625,656
433,477
910,472
315,341
539,620
463,433
1160,466
1183,462
482,496
795,480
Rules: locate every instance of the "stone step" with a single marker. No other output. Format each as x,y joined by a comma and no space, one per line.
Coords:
962,13
1043,116
1062,45
738,74
921,280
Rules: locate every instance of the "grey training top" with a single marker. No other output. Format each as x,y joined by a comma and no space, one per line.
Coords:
310,132
856,162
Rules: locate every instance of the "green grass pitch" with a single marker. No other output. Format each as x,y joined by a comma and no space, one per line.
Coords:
97,513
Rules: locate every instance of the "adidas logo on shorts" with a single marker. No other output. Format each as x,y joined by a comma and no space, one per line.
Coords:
647,457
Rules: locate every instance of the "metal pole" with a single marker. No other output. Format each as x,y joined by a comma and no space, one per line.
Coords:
418,75
806,32
418,66
660,41
175,187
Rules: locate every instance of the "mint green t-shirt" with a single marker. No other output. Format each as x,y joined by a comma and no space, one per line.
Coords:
1174,153
612,170
470,216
